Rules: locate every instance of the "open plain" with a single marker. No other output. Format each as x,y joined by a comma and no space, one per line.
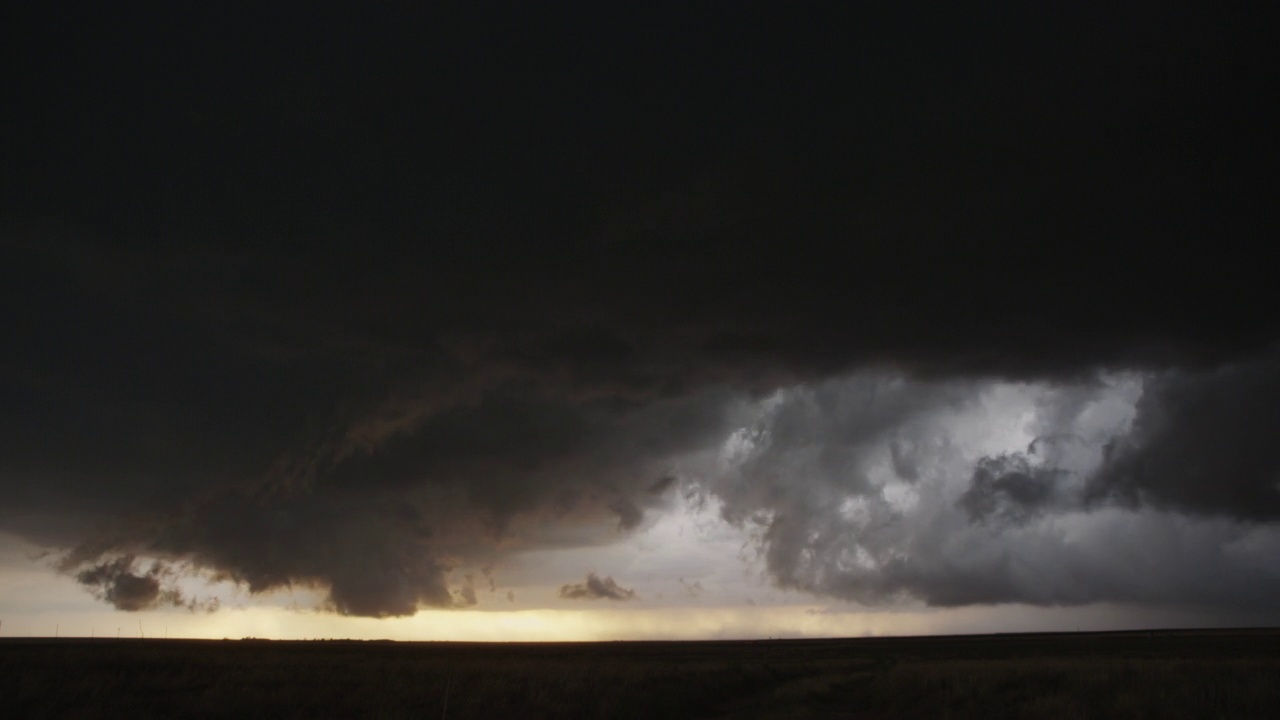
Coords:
1162,674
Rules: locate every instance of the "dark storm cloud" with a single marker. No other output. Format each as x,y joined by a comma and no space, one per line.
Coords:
121,583
596,588
380,527
1202,443
778,190
361,304
1009,488
662,484
629,516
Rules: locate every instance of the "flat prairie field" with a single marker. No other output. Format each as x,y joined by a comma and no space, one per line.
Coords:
1160,674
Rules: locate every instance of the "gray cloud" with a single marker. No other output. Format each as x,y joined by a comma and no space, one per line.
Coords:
1009,488
596,588
819,479
629,515
1199,444
818,470
662,484
692,589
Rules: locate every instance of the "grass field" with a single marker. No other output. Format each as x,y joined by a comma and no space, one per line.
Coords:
1206,674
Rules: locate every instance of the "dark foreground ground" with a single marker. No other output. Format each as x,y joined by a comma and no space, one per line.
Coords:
1208,674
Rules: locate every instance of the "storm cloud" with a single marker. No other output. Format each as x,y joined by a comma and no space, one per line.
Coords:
1019,493
950,308
596,588
123,584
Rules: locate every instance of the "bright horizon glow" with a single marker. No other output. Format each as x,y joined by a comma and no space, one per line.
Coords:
52,604
737,623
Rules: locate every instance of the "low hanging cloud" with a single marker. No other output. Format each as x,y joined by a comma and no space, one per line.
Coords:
379,529
116,582
877,487
596,588
121,583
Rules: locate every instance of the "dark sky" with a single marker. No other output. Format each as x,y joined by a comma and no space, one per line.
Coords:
346,298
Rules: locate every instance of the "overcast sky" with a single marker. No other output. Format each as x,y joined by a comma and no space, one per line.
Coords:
638,320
